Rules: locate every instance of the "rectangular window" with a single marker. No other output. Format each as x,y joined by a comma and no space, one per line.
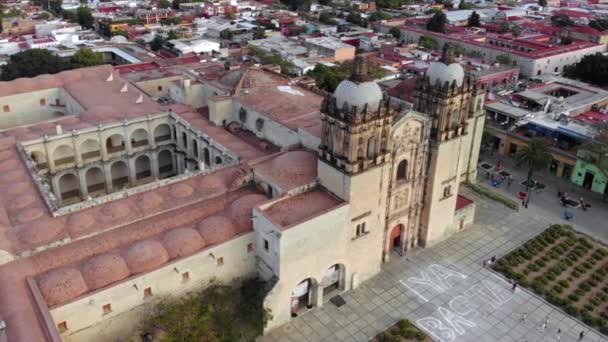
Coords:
185,276
62,327
220,261
147,292
43,102
107,308
6,108
249,247
266,245
360,230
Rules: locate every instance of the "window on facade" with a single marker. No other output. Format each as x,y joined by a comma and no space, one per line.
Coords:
249,247
242,115
185,276
220,261
107,308
360,230
147,292
402,170
43,102
371,148
62,327
447,191
266,245
6,108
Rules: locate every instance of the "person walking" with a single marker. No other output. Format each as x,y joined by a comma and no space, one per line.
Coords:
581,335
558,334
545,325
509,181
514,286
523,317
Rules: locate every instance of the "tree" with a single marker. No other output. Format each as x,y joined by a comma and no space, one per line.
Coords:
379,15
33,62
591,69
534,157
473,20
259,33
516,31
84,17
505,27
324,2
230,15
503,59
463,5
86,57
599,24
565,40
171,35
164,4
328,78
356,19
157,43
297,5
542,3
327,18
395,32
561,20
437,23
171,21
428,42
226,34
175,4
44,15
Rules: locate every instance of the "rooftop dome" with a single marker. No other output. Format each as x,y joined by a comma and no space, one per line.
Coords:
60,285
104,269
295,166
359,95
182,242
145,255
181,190
115,210
212,183
80,222
217,229
241,210
40,232
150,200
445,73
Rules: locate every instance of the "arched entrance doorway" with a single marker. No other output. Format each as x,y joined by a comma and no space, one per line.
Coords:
303,296
333,281
395,239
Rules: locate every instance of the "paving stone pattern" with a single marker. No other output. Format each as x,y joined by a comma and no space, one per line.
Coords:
446,291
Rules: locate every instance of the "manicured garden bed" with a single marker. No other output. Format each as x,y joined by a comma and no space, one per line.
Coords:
565,267
402,331
493,195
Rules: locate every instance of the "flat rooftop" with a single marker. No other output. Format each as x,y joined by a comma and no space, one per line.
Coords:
297,209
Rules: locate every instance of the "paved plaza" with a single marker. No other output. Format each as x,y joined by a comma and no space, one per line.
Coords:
446,291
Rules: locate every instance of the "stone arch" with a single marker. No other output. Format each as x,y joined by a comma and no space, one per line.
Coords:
195,148
304,296
371,147
165,163
206,156
334,280
63,154
119,172
162,133
69,186
115,143
139,138
185,140
95,180
402,170
40,159
143,167
89,149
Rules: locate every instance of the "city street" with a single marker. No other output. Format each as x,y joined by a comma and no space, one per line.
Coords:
446,291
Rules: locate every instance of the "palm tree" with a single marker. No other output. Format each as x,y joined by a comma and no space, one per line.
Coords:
534,157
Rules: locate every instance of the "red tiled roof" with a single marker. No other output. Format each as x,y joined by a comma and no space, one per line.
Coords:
593,117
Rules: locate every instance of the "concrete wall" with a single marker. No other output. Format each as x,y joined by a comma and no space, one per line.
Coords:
33,107
86,320
271,130
600,181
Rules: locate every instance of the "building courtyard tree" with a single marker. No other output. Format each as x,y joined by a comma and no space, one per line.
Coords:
534,157
437,23
473,20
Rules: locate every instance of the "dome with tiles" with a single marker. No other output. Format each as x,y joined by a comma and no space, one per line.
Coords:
61,285
145,255
104,269
182,242
217,229
445,73
359,90
241,210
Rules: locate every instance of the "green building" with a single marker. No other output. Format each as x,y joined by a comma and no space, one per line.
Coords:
591,169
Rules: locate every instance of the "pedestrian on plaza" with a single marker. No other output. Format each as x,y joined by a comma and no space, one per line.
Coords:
523,317
486,262
514,287
509,180
581,335
526,201
545,325
558,334
493,259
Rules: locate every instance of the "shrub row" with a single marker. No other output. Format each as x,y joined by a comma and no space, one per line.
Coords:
489,193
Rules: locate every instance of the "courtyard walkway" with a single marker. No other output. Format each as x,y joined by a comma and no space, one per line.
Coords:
446,291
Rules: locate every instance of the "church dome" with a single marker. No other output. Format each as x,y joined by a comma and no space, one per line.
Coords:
216,229
445,73
359,95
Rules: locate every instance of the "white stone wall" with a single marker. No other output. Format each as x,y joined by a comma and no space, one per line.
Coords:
26,108
87,313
